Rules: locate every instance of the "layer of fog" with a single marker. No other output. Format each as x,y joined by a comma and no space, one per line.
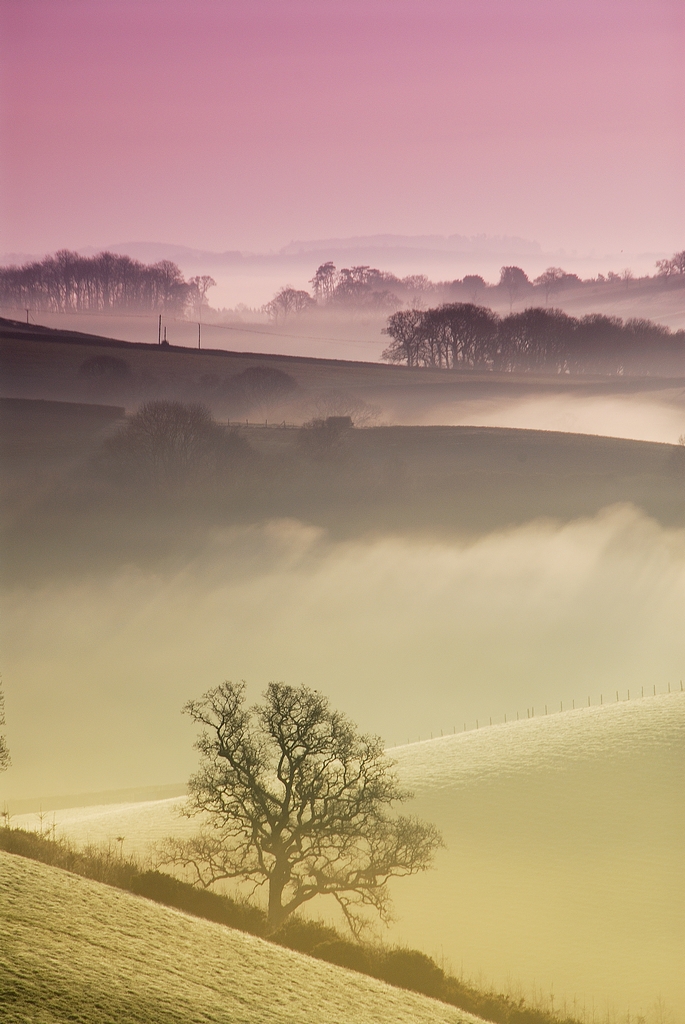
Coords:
648,417
254,280
644,414
409,638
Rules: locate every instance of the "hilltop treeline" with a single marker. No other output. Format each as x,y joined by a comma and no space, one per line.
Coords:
70,283
461,335
363,287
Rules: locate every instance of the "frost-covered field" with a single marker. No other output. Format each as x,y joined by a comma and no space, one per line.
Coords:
76,950
564,862
131,828
563,870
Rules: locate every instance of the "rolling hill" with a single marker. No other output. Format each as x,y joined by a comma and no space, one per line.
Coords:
563,867
77,950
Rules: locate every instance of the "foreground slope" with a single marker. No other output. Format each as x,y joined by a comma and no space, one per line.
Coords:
76,950
563,863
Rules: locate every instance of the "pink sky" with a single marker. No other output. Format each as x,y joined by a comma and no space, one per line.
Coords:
227,124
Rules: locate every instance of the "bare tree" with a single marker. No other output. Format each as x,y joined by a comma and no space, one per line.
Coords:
676,265
68,282
550,280
515,281
404,328
324,282
296,800
198,288
288,300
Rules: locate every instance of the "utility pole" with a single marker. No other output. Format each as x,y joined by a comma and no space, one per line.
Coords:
159,330
27,316
198,336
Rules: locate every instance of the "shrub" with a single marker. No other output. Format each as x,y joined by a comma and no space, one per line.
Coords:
346,954
260,388
323,439
407,968
171,443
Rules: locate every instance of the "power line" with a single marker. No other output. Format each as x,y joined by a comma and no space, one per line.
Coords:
240,328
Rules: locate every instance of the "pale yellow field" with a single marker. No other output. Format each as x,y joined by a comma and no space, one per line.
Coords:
77,950
563,867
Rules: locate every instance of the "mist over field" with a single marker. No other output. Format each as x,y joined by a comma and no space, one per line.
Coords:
342,353
408,637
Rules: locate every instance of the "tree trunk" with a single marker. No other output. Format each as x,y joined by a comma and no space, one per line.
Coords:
275,914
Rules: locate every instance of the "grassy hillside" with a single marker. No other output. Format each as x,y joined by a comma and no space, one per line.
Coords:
61,511
76,950
563,865
562,872
39,362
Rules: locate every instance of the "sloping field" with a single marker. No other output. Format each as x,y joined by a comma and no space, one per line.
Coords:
563,870
564,860
38,362
76,950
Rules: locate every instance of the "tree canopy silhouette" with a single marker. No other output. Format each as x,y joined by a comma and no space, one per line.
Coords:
294,798
173,443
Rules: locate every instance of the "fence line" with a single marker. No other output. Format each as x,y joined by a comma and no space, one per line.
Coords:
530,713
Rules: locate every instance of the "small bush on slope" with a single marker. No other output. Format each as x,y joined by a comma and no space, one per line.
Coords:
403,968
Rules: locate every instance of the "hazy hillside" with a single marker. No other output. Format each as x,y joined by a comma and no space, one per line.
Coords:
575,817
38,363
563,865
76,950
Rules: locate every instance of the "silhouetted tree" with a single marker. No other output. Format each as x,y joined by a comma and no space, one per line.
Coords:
295,799
68,282
324,282
536,339
550,280
404,327
460,334
474,284
470,332
288,300
515,281
676,265
199,286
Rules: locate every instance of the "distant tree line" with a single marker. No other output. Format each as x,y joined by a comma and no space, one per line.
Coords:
352,287
70,283
461,335
363,287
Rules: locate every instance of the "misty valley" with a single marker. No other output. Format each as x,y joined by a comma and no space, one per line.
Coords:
174,517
